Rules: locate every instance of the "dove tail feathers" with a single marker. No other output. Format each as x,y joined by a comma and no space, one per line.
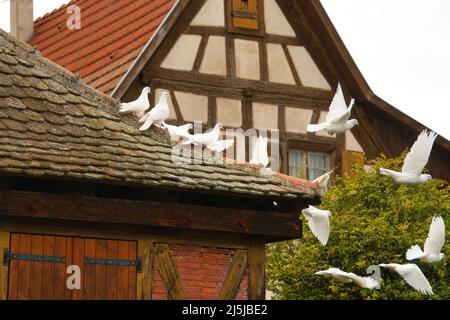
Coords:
414,253
317,127
148,123
386,172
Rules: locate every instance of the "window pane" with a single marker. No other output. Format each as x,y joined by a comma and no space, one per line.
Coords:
318,164
297,166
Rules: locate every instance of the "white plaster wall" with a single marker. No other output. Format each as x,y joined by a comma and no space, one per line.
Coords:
214,60
247,59
229,112
158,92
265,116
183,53
193,107
279,70
297,119
351,143
307,69
212,14
276,22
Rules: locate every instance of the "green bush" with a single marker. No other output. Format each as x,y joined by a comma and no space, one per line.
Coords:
373,221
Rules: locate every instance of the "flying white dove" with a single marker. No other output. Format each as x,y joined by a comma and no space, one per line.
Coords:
415,161
158,114
138,106
433,244
413,276
322,183
337,119
210,139
259,152
177,131
348,277
318,222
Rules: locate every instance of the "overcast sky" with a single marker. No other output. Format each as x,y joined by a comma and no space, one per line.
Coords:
402,48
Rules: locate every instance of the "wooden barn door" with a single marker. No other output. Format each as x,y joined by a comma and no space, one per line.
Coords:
38,266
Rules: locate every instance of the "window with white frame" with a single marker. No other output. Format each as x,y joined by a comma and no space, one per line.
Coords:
307,164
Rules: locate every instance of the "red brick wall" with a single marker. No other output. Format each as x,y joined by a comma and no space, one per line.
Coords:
202,271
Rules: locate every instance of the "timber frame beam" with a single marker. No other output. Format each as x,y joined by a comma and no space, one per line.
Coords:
35,205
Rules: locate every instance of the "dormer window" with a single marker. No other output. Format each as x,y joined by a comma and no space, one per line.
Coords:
244,15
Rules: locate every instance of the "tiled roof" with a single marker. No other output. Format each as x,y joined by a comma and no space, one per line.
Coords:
52,124
111,37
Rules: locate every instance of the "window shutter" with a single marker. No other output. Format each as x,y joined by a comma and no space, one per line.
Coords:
245,14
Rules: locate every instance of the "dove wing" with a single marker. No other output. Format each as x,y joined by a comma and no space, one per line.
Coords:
436,236
221,145
320,227
338,107
365,282
418,156
416,279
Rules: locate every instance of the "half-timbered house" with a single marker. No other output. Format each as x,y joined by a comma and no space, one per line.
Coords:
264,64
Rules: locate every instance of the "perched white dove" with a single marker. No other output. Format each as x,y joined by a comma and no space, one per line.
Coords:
210,139
177,132
318,222
322,183
348,277
412,274
138,106
337,119
259,152
415,161
158,114
433,245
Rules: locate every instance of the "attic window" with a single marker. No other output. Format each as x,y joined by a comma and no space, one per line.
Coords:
244,14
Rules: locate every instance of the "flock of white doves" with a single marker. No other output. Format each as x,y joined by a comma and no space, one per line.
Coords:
337,121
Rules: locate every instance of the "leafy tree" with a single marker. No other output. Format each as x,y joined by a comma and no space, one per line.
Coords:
373,221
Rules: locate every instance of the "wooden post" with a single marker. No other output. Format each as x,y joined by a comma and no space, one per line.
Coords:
234,276
145,277
257,268
168,273
4,243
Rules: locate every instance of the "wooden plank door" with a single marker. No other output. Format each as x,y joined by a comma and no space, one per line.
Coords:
38,280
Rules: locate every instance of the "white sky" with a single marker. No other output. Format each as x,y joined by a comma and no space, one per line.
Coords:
402,47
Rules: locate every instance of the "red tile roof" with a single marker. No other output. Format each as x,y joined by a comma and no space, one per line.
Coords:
111,37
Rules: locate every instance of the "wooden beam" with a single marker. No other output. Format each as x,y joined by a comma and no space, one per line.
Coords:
176,107
234,276
168,273
145,277
200,53
238,83
148,213
4,243
257,269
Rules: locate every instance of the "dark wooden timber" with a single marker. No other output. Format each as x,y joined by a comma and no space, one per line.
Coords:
193,217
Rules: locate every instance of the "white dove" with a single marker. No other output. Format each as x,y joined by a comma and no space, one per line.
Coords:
177,131
412,274
433,245
138,106
337,119
322,183
210,139
158,114
415,161
318,222
259,152
348,277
